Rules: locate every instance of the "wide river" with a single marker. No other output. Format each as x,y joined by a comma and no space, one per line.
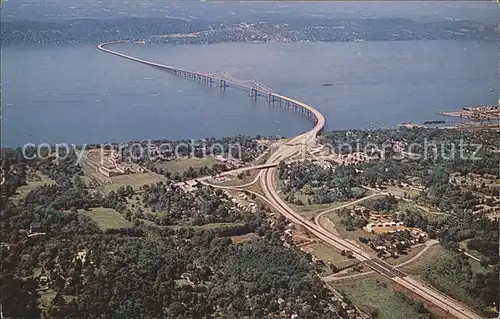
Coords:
77,94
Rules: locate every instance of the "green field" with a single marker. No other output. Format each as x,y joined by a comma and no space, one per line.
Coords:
375,297
37,180
329,254
182,164
134,180
107,218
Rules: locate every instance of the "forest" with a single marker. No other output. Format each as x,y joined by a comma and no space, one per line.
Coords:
57,262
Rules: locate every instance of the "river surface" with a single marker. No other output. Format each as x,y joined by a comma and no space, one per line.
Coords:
77,94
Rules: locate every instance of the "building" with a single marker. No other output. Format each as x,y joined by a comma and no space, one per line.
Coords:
35,228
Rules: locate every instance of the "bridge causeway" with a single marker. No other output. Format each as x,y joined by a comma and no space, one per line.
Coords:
225,80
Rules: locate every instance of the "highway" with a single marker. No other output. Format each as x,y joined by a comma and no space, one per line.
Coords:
437,298
303,143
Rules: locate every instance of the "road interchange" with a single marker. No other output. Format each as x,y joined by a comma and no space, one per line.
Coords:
266,176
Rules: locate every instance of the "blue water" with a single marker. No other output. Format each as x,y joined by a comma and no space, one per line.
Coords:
77,94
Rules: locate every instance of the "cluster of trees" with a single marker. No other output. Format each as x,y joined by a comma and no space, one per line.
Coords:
92,30
381,204
145,270
480,232
320,185
204,205
151,272
15,165
414,218
454,151
242,147
453,274
350,220
190,173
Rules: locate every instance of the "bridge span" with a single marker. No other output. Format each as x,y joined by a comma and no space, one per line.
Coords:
255,89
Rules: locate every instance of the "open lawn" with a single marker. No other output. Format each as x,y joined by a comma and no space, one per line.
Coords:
182,164
34,181
329,255
106,218
401,191
377,299
416,266
46,298
134,180
255,188
244,238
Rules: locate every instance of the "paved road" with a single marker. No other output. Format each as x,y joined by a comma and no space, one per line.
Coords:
232,172
439,299
427,244
318,217
303,143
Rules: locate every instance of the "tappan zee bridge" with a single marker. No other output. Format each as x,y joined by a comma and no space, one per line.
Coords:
223,80
303,144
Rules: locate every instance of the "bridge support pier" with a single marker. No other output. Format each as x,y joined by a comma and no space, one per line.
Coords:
223,84
253,93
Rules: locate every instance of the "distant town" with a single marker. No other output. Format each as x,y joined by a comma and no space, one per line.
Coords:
274,30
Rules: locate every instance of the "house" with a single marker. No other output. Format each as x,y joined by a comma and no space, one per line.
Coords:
35,228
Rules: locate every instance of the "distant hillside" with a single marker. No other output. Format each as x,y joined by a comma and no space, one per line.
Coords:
271,29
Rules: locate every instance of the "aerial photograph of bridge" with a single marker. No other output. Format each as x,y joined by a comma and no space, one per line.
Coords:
250,159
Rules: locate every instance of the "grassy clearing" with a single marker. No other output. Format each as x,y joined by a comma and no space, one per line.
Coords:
244,238
34,181
46,298
401,191
134,180
375,297
430,256
107,218
182,164
329,255
433,267
255,188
